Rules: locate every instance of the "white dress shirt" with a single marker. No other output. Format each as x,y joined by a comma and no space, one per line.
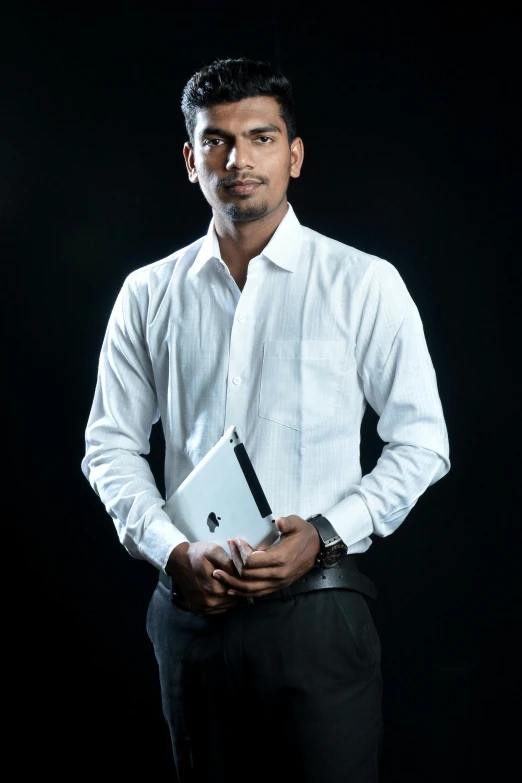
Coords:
319,330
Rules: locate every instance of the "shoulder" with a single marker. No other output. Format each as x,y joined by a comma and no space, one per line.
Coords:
145,288
160,272
365,269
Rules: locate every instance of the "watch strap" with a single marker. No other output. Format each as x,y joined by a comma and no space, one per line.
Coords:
326,530
332,545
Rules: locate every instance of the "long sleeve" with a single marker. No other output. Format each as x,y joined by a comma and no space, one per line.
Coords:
186,345
117,436
399,382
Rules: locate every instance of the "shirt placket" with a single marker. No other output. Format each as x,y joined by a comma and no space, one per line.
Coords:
241,347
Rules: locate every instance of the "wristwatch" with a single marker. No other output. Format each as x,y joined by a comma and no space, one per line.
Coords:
333,547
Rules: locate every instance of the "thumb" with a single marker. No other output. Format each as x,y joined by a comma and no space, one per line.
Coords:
282,525
243,546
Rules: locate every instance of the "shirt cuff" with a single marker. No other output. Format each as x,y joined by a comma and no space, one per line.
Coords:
351,519
158,541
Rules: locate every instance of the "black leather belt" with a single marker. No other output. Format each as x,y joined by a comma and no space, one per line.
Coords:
344,575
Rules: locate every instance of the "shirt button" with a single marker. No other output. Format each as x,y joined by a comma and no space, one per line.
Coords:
241,318
236,379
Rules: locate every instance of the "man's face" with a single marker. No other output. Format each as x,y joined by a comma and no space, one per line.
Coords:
242,158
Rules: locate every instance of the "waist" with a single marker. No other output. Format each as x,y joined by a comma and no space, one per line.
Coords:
345,575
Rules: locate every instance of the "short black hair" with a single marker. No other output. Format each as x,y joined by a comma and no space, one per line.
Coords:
230,80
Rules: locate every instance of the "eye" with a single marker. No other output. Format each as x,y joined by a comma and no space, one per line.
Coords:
264,139
213,142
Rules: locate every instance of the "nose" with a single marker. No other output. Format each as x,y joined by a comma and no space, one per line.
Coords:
240,156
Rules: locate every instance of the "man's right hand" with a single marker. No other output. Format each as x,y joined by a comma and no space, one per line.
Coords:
191,567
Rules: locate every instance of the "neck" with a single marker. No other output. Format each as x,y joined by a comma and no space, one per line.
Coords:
240,242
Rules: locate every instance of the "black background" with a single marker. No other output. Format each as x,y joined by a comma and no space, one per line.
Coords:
408,116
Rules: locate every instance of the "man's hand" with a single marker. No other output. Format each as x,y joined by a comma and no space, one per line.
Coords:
262,572
191,566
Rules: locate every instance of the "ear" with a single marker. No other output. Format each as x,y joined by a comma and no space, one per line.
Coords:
296,156
188,154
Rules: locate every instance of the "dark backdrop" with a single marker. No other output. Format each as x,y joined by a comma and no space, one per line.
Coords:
408,118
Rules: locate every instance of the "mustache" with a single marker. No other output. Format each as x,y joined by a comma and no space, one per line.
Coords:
233,178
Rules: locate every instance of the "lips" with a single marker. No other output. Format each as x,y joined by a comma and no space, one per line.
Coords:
241,188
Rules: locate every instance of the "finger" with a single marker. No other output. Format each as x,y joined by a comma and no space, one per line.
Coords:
290,524
243,548
281,525
214,587
251,576
236,557
269,544
242,586
253,594
218,557
259,558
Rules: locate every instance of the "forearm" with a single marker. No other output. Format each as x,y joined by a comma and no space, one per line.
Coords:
127,488
178,560
384,497
399,382
124,409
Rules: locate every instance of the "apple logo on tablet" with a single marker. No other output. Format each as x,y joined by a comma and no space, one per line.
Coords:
212,522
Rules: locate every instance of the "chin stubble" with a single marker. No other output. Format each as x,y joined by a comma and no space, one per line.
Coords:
242,213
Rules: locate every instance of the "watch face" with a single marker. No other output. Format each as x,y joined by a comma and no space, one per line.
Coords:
334,554
330,553
332,558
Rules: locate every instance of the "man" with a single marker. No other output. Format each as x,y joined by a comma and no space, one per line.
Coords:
287,334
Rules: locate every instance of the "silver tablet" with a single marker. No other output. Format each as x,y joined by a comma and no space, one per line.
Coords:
222,498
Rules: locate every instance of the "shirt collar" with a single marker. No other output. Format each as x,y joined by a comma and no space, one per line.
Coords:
282,249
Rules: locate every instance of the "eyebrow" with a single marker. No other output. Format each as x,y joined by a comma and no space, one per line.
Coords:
210,131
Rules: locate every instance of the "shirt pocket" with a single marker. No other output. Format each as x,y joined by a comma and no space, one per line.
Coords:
301,381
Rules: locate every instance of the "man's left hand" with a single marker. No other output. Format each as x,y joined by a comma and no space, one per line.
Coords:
263,571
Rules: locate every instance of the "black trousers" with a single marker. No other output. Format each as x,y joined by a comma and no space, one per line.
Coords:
287,690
